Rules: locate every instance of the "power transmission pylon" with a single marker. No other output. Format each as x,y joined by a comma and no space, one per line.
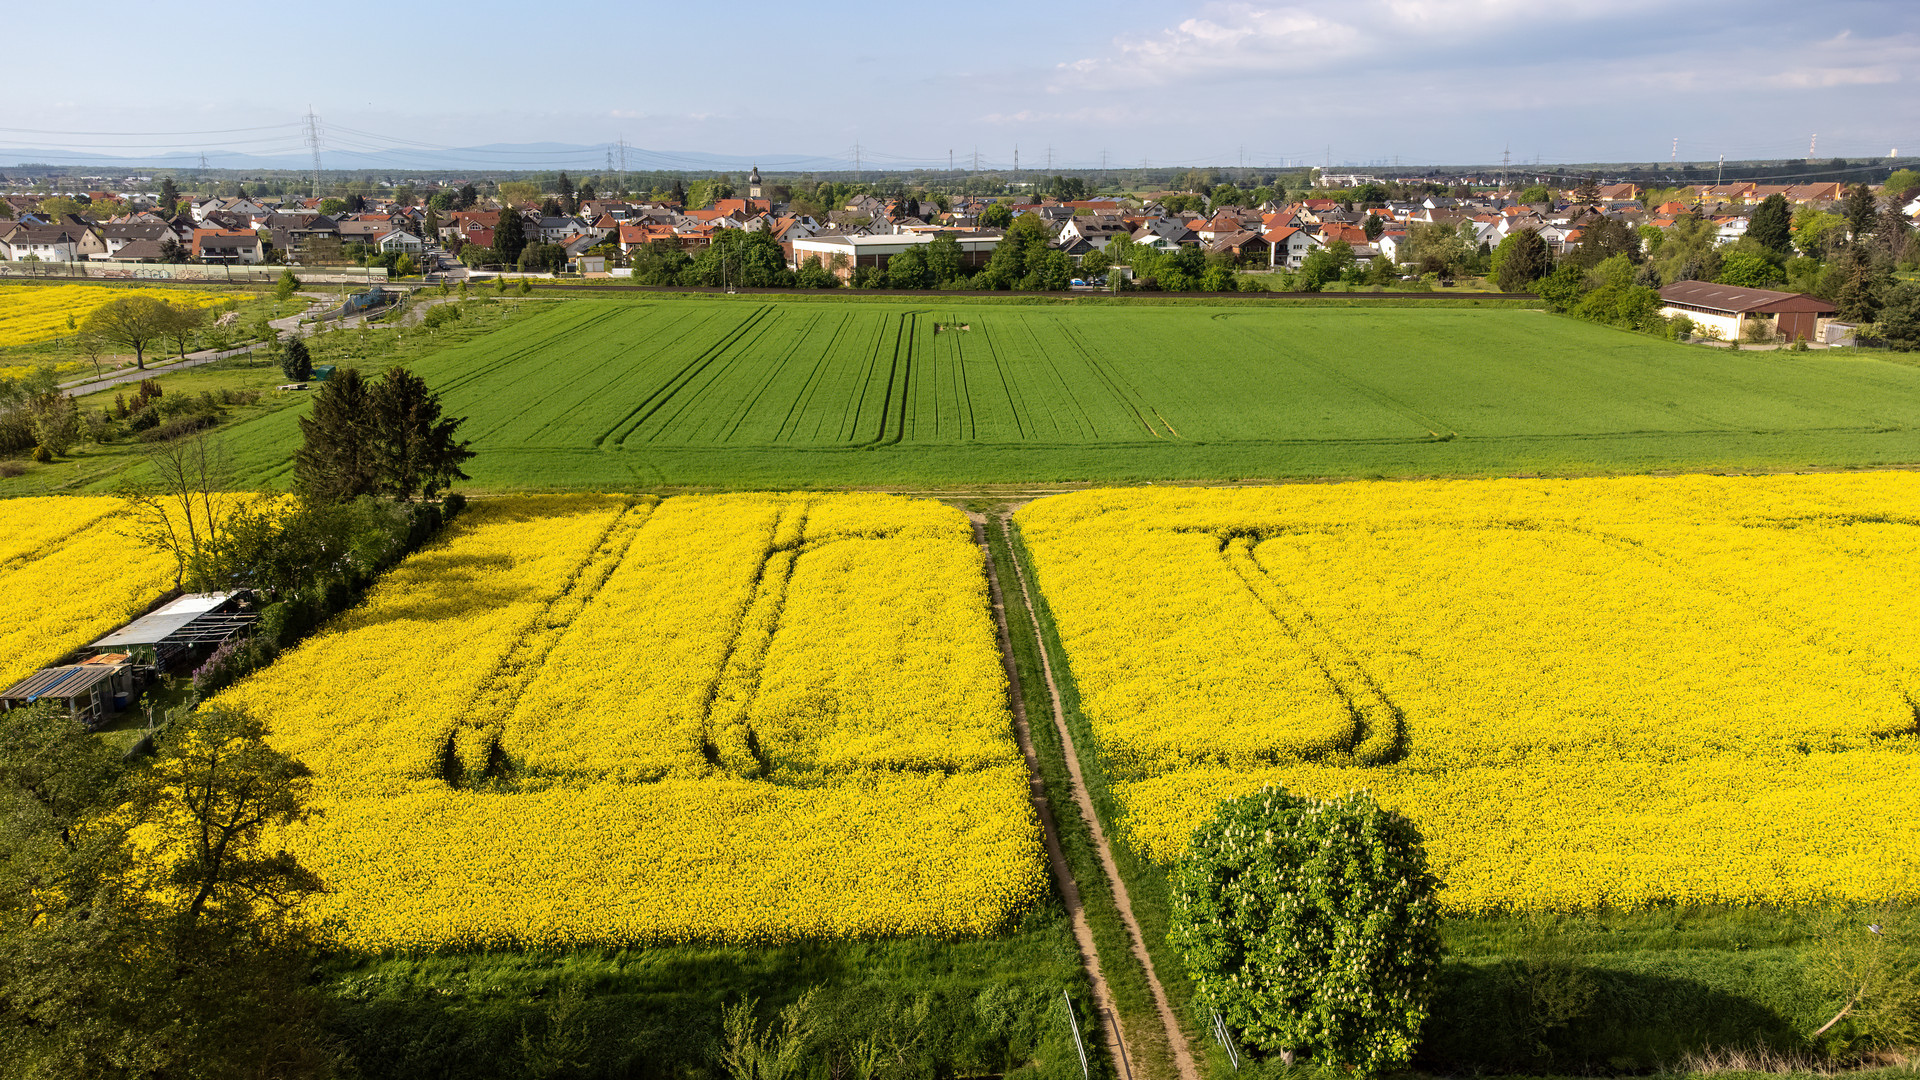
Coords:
313,143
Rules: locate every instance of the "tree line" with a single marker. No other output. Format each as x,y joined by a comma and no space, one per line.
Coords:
150,926
1852,256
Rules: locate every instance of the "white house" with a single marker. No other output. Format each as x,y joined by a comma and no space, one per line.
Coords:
402,241
1154,241
1095,231
120,234
1483,232
559,230
42,243
853,251
1291,246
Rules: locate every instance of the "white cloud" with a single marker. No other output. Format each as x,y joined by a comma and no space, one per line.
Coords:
1232,39
1812,78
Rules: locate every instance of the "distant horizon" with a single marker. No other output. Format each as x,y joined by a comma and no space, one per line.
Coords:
721,164
1046,88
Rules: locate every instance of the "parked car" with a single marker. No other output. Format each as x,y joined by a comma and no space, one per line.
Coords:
1079,283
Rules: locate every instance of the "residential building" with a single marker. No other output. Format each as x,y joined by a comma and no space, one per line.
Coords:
400,241
44,243
1289,247
227,246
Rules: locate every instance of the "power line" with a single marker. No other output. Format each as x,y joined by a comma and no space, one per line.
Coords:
139,134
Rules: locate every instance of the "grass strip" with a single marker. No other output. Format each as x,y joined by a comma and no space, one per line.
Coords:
1125,975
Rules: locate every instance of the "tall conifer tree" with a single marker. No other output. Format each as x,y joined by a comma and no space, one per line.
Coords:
1772,225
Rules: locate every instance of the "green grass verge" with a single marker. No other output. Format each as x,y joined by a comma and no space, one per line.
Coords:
1146,880
1126,978
947,1008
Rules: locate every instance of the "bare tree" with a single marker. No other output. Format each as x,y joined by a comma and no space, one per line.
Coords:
182,508
90,345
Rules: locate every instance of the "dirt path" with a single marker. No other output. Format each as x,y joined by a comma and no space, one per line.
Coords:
1177,1039
1114,1034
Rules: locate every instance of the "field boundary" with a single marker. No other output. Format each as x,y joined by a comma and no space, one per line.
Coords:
1114,1033
1046,297
1176,1035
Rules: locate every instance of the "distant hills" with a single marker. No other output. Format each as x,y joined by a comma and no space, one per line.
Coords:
494,157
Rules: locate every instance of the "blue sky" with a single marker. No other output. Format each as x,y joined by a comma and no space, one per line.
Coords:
1214,83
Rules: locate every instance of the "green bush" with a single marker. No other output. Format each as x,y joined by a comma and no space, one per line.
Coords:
297,363
1311,926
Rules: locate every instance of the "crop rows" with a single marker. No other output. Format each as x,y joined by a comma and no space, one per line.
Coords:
591,719
1586,693
599,394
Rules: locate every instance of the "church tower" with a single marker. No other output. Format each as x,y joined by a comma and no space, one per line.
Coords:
753,184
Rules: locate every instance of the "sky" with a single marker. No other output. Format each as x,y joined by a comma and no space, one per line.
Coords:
1122,82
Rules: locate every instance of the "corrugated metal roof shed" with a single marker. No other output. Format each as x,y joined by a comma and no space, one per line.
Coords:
59,682
1733,299
169,623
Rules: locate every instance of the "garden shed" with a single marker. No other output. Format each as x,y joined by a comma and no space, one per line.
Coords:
91,690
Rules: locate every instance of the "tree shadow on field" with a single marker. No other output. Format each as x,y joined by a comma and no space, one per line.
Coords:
1531,1014
461,586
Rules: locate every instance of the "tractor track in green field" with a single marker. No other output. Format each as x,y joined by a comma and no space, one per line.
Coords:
1333,374
658,399
714,367
1123,392
804,400
566,417
773,374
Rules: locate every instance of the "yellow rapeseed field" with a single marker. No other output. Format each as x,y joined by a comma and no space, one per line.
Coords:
1586,692
589,719
74,572
30,313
